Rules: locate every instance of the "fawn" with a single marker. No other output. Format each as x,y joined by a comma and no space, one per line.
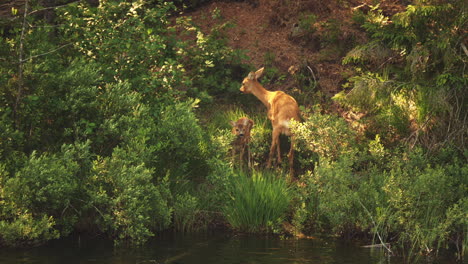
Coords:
241,128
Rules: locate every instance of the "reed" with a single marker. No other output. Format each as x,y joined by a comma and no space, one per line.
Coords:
257,202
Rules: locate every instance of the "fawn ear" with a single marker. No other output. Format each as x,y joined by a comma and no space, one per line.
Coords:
232,123
245,121
259,73
251,76
251,123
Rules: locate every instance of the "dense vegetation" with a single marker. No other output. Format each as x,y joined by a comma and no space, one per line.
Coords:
107,126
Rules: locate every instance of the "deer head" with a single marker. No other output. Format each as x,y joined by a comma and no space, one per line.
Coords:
241,128
249,82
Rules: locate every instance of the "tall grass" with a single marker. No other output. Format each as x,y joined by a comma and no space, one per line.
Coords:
220,116
256,203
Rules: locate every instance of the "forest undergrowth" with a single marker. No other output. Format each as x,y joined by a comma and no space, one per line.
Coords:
114,119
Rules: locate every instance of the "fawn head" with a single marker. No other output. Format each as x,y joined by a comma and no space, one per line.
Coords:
241,128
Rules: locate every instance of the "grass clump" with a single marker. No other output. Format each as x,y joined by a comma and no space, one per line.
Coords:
256,203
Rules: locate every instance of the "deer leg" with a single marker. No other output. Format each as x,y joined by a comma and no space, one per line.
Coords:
241,157
291,158
274,143
249,164
278,151
233,155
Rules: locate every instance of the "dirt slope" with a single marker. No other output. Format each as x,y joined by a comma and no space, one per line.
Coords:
273,28
267,29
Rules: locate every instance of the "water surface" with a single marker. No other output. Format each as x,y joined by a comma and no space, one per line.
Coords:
206,249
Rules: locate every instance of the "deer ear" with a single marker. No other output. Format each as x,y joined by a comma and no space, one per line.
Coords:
251,76
250,124
259,73
232,123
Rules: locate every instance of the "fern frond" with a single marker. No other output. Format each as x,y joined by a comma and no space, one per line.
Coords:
374,53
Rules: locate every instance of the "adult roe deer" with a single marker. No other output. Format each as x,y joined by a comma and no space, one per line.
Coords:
281,109
241,128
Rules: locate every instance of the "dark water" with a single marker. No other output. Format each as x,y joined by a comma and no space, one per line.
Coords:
206,249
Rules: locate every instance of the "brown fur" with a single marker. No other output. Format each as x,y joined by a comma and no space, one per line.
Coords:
281,109
241,128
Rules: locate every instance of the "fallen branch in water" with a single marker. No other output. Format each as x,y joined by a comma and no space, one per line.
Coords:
382,244
377,245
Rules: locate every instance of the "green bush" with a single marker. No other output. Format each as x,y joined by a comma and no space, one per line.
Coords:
396,198
11,142
47,183
325,135
333,194
423,201
257,203
42,200
389,108
27,230
412,75
181,146
217,68
129,203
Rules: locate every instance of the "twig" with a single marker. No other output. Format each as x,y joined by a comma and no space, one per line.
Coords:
383,63
97,209
20,65
43,54
51,7
464,48
415,133
312,72
47,26
359,6
376,231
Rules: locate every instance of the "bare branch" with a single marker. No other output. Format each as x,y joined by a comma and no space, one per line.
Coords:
51,7
385,245
43,54
464,48
312,72
20,65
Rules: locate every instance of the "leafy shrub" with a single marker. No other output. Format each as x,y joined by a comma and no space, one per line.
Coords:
131,205
333,195
42,200
80,85
419,64
216,188
256,203
47,183
325,135
179,142
11,141
423,200
216,69
27,230
389,109
397,198
126,39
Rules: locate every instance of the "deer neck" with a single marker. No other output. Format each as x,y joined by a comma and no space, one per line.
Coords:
262,94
